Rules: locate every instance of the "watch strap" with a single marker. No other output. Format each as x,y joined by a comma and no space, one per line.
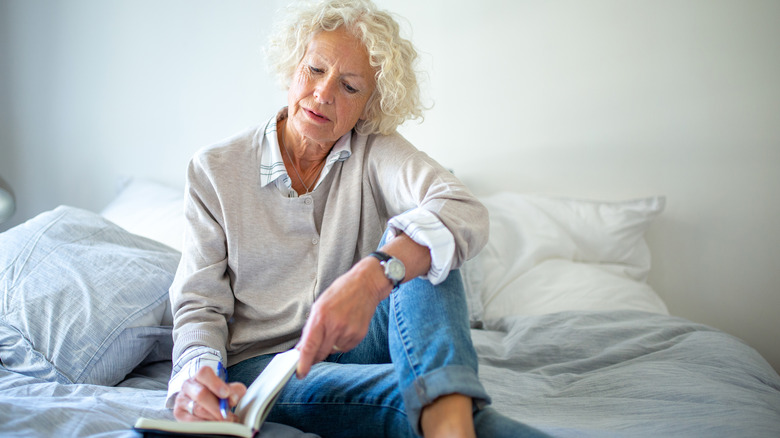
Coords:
383,258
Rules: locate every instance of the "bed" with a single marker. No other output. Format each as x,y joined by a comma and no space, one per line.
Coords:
571,338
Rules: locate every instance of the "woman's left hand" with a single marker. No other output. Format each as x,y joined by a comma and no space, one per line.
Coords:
340,317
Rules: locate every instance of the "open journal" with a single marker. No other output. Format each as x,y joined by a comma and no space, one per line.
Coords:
252,410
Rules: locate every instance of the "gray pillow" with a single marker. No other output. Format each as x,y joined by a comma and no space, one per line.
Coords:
83,299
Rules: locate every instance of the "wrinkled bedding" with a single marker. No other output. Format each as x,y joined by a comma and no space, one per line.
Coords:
572,374
85,301
30,407
627,374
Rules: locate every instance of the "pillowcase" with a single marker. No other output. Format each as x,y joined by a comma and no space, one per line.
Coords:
548,255
84,300
149,209
544,255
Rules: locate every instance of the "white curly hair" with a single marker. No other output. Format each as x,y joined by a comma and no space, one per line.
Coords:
396,97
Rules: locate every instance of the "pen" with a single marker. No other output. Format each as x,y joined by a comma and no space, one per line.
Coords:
223,402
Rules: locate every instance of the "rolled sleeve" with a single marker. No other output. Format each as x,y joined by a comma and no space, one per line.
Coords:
426,229
187,366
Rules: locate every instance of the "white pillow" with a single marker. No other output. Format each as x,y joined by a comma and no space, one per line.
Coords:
545,254
149,209
548,255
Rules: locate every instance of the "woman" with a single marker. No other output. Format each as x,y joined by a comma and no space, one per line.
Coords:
290,212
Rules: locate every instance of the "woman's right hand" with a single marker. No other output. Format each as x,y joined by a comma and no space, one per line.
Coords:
199,397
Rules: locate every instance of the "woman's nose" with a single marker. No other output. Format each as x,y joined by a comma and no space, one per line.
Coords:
324,91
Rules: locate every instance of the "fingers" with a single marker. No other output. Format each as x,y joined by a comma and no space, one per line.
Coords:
195,402
315,345
309,347
340,317
208,378
199,397
186,409
237,391
325,334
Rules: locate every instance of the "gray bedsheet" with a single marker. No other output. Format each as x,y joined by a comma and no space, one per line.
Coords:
621,374
33,408
628,374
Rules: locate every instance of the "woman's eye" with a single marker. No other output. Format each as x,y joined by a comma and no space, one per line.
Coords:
350,89
314,69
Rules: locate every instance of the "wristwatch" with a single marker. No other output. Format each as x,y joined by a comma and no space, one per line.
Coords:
394,268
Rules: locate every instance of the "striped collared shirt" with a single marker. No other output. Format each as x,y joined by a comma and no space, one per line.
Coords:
272,168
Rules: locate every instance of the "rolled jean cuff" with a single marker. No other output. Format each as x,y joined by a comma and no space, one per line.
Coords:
452,379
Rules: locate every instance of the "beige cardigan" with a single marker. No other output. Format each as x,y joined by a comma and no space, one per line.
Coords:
254,260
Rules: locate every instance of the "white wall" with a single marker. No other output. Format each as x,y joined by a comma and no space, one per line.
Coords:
131,87
606,99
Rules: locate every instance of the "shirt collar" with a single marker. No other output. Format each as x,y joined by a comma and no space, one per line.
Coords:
271,162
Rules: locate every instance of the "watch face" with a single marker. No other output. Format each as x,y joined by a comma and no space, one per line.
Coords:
395,270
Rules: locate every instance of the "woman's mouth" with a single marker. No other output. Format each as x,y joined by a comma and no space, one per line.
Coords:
316,116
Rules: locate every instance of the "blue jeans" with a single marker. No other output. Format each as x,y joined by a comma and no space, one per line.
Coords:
417,349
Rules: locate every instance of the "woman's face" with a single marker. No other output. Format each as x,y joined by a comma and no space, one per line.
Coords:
330,87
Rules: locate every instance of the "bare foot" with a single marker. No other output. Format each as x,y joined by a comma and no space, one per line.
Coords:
448,416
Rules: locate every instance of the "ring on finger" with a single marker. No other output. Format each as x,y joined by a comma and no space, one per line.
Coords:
191,407
336,348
